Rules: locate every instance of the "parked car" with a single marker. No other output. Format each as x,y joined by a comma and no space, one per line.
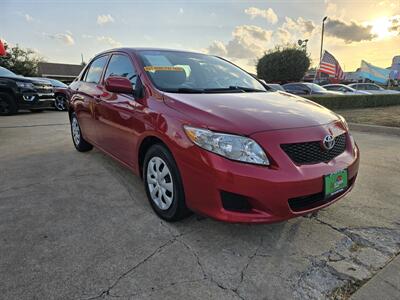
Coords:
275,86
344,89
18,92
307,88
60,93
207,137
372,88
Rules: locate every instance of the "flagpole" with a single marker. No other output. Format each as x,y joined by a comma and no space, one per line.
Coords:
322,40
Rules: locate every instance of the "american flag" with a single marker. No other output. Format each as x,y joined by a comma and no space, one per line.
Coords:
330,65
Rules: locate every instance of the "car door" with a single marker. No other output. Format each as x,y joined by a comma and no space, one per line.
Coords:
86,91
118,114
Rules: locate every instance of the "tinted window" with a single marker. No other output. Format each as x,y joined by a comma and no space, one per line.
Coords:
93,75
121,65
291,87
372,87
332,88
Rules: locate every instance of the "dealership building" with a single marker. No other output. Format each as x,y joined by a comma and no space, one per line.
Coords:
63,72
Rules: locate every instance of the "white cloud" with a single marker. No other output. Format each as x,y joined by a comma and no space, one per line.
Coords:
109,41
29,18
65,38
104,19
283,36
87,36
218,48
248,42
302,26
181,11
267,14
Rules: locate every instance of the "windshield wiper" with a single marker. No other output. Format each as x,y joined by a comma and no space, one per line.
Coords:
235,88
185,90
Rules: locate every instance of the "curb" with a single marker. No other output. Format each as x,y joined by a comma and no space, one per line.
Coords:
375,129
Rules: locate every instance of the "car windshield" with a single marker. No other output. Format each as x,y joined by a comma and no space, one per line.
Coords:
315,87
185,72
5,72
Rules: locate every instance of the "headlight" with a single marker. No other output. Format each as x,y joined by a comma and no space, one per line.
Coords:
231,146
346,126
25,85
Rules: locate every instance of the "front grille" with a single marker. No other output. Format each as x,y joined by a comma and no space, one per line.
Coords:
44,88
312,152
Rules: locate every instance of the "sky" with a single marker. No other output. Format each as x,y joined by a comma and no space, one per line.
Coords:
241,31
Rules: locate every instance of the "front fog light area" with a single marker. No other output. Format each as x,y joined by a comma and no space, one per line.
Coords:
231,146
29,98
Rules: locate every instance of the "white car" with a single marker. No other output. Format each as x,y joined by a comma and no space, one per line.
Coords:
345,89
372,88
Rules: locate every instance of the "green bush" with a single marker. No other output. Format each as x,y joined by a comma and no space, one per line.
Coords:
283,65
356,101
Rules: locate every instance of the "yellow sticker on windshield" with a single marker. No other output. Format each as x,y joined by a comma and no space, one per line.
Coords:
161,68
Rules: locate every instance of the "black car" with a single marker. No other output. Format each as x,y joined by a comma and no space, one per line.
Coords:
306,88
17,92
60,92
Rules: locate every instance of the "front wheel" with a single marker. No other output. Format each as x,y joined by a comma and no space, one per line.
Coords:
60,102
79,142
163,184
7,105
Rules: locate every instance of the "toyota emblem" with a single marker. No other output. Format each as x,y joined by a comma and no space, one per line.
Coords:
328,142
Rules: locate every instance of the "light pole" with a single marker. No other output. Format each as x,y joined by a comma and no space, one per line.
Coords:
322,38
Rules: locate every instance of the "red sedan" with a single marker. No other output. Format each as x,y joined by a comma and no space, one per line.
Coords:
207,137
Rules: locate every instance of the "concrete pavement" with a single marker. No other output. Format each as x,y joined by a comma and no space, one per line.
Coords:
384,286
78,226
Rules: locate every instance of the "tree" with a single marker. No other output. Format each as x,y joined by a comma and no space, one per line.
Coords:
283,65
21,61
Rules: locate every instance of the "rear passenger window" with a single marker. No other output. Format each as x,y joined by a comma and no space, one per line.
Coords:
93,75
121,65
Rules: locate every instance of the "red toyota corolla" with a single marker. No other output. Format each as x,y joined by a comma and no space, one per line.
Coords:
207,137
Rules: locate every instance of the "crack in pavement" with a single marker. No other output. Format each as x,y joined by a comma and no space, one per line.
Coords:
156,251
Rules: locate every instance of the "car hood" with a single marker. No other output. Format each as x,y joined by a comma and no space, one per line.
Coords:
247,113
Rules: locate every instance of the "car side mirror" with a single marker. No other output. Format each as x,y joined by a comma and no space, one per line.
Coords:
119,84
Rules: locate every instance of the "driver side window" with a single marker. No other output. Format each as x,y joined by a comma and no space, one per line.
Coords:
121,65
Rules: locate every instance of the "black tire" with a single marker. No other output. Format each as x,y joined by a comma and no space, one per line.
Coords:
177,209
79,142
8,106
60,102
36,110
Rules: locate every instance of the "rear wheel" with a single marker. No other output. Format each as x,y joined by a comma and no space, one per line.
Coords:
163,184
7,105
79,142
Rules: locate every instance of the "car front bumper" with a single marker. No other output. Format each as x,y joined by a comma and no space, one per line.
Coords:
208,178
30,100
